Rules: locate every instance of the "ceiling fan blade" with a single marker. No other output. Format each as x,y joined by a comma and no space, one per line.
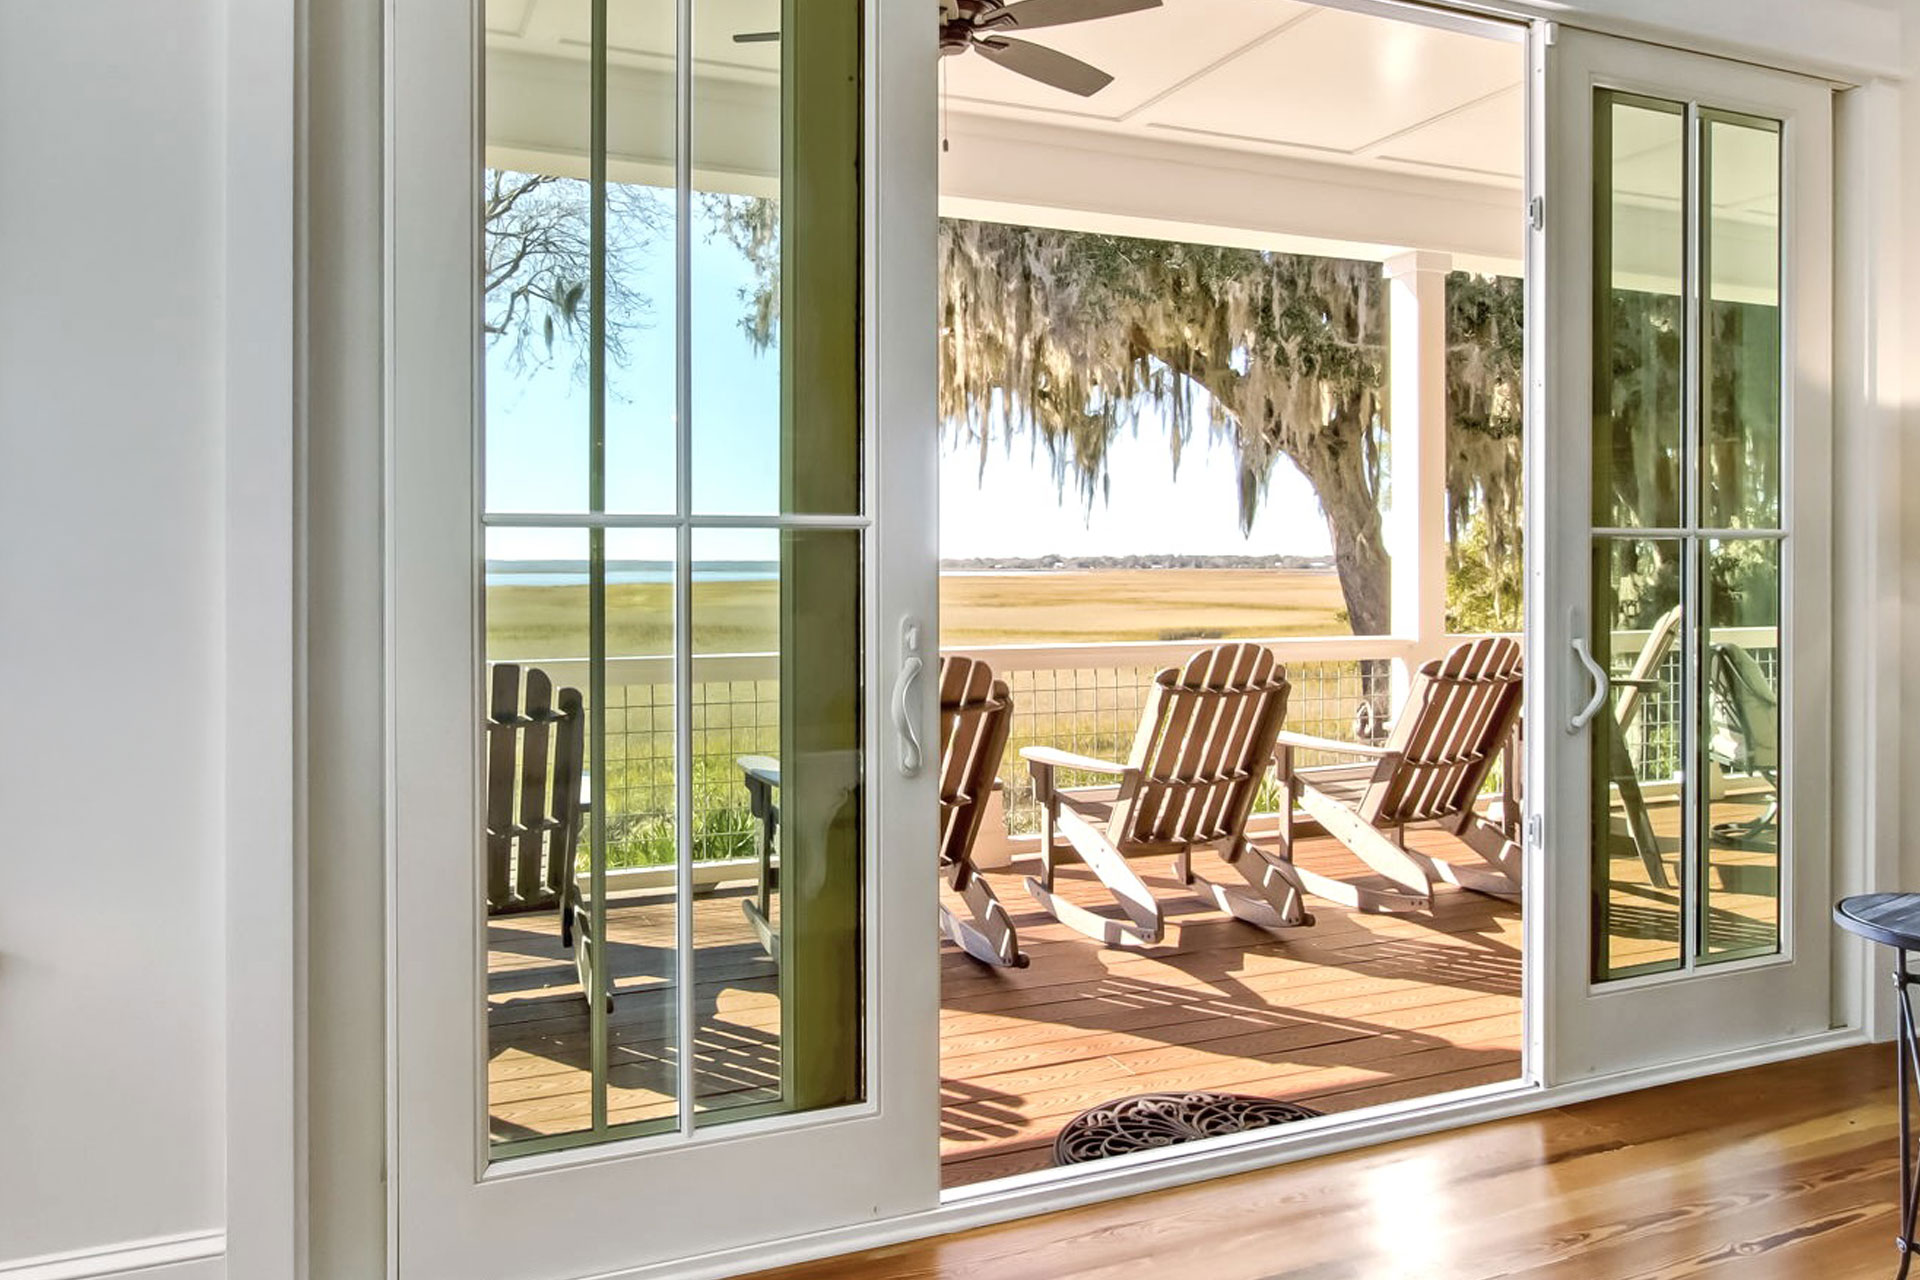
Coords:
1048,66
757,37
1030,14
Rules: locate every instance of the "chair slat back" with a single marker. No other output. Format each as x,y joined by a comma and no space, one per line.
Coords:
976,712
1646,666
535,748
1459,712
1206,736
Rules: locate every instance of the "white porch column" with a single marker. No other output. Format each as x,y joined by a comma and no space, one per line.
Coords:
1416,524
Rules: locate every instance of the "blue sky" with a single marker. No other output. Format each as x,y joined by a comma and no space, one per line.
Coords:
536,452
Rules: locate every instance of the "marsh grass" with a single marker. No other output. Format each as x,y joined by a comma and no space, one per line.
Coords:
1095,711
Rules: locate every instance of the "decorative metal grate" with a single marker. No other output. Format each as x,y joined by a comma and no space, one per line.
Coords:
1147,1121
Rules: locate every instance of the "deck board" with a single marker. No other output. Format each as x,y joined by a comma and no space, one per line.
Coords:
1355,1011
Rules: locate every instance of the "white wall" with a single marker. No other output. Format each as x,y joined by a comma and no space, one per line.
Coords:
111,488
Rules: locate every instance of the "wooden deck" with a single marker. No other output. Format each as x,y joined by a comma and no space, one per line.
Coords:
1354,1011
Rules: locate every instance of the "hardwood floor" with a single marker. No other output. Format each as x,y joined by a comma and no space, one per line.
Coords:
1784,1172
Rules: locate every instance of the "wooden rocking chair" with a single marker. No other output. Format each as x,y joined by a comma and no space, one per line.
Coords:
975,713
1459,717
535,753
1205,738
1628,707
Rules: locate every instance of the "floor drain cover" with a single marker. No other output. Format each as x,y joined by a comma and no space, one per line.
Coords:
1149,1120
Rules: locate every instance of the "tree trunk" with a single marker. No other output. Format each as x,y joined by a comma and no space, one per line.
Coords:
1333,462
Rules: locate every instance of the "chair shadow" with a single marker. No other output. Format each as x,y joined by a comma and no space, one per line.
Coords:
539,1012
1238,1021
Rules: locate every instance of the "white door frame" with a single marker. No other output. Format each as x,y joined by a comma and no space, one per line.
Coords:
271,62
608,1209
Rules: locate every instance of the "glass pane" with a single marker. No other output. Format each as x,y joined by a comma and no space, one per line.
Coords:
1639,320
754,379
777,820
736,817
1740,892
539,1069
1639,780
641,224
736,260
1740,354
640,960
536,209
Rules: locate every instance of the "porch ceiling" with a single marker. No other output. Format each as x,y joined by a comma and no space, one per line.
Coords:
1271,122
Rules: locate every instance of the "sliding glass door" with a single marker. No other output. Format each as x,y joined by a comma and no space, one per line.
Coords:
1688,233
659,583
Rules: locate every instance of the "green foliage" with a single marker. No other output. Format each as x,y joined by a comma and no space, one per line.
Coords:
1483,589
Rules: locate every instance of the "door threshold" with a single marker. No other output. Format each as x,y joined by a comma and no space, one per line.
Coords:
1272,1145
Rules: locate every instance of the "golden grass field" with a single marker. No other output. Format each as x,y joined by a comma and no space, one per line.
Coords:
1065,607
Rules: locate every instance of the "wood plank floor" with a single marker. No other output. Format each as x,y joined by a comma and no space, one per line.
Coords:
1784,1172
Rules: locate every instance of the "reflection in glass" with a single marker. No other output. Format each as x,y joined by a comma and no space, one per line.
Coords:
1740,352
641,226
639,890
1740,892
1639,780
536,212
539,1037
711,784
736,263
736,818
1639,322
777,820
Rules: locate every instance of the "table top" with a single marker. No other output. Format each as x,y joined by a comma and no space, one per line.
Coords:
1892,919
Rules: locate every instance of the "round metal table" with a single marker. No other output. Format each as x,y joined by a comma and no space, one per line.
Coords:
1893,920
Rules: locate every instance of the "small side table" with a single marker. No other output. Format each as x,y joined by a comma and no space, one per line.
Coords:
1893,920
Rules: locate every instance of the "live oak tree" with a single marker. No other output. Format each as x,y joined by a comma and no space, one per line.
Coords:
1065,339
1071,336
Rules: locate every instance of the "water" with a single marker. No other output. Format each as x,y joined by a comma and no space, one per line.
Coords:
573,573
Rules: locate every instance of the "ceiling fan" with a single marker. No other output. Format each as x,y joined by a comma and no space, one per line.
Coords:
981,25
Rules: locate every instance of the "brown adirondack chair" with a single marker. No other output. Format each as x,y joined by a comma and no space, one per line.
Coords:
1459,718
535,754
1205,738
975,713
1627,707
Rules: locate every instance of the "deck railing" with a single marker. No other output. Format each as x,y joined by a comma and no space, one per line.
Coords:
1083,698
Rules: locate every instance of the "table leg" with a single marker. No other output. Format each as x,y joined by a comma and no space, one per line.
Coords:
1909,1067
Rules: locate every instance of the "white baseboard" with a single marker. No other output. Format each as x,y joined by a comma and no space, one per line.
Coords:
194,1255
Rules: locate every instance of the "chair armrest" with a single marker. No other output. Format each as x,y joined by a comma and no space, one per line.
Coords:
1053,757
1307,742
761,769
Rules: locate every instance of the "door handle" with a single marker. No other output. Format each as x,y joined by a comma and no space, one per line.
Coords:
903,704
1601,687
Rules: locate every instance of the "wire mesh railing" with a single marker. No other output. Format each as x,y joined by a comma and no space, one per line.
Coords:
1081,698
